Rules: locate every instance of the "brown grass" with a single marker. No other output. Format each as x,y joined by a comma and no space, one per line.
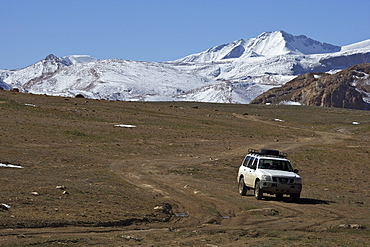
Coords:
185,154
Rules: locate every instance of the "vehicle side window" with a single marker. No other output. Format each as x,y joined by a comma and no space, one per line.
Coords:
246,160
253,162
264,164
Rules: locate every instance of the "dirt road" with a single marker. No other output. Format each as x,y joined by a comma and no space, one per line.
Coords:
211,207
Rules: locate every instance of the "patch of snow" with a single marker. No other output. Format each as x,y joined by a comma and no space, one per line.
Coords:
359,45
10,166
289,103
333,71
366,95
5,205
125,125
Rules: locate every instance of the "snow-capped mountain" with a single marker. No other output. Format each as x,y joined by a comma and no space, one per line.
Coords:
115,80
41,69
267,45
236,72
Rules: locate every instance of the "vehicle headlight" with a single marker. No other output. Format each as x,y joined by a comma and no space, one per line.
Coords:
298,180
266,178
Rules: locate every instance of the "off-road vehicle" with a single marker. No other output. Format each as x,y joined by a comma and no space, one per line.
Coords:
268,171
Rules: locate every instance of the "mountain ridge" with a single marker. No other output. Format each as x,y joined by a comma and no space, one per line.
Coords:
266,44
236,72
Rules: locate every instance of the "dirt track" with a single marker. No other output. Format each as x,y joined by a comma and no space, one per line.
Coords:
210,206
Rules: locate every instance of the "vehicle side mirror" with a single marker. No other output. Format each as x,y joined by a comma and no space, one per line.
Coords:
296,171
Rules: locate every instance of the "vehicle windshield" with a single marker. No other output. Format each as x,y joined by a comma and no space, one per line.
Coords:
282,165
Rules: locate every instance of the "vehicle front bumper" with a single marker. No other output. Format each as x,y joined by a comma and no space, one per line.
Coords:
280,188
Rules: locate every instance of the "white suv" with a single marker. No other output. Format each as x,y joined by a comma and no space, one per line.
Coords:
269,171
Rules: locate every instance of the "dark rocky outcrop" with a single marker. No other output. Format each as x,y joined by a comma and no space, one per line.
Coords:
345,89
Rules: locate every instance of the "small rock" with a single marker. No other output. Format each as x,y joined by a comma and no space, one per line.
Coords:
344,226
158,208
353,226
165,208
131,238
61,187
35,193
357,226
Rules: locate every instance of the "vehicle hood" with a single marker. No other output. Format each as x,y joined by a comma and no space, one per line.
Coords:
277,173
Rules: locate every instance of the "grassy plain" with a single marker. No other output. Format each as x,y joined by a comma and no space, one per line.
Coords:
171,180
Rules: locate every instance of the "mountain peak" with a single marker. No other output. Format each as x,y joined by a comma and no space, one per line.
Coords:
281,43
67,60
273,33
266,44
52,62
51,57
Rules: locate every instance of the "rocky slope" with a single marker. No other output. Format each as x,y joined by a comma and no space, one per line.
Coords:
349,88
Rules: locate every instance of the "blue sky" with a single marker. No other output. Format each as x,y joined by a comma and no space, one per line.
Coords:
164,30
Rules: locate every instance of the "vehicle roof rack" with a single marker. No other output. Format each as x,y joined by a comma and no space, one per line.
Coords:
268,152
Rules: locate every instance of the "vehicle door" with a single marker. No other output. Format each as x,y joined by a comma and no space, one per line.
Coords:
250,173
243,167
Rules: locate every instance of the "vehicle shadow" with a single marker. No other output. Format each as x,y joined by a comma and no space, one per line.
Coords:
308,201
314,201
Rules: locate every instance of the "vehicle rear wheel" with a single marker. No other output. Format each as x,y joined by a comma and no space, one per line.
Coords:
257,191
295,197
241,187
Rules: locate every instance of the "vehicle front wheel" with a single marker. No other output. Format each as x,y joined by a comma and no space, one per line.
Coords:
257,191
241,187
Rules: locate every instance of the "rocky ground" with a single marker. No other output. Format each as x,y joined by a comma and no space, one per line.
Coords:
104,173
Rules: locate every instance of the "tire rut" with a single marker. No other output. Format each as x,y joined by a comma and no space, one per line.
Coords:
205,210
